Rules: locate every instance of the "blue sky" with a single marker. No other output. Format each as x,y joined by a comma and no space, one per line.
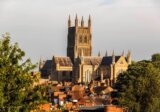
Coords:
40,26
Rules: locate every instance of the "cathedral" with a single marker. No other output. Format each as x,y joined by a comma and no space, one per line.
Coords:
79,65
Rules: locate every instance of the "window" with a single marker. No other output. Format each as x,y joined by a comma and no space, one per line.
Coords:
63,73
85,39
70,74
80,39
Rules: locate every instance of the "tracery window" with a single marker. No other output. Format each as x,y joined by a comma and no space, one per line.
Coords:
85,39
80,39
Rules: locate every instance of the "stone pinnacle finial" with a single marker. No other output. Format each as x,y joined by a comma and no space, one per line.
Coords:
99,53
69,21
106,53
69,17
89,17
113,53
82,18
129,52
123,53
113,57
76,17
40,63
76,21
129,58
89,22
82,22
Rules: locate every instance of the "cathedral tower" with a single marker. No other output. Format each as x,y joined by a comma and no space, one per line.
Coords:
79,39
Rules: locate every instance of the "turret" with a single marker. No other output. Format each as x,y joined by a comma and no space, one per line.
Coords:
82,22
122,53
113,58
76,21
69,22
129,60
40,64
106,53
89,22
99,54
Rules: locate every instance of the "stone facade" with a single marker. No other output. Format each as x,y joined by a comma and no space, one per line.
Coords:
86,68
80,65
79,39
112,66
61,69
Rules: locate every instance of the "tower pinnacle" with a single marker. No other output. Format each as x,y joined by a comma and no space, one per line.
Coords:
69,21
106,53
129,60
82,22
89,22
76,21
123,53
99,53
113,58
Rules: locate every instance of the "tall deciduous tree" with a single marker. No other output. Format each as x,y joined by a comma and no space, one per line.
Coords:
15,76
139,87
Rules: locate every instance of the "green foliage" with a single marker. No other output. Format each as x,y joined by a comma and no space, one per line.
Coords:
139,87
156,60
156,57
15,76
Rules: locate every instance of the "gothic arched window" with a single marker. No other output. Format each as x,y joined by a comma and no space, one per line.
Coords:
85,39
80,39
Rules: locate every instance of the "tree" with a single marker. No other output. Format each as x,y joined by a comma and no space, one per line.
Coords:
156,57
139,87
156,60
16,80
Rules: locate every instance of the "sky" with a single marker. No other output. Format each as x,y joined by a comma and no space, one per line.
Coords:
40,26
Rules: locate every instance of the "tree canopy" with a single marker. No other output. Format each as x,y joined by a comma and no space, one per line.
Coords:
16,80
139,86
156,57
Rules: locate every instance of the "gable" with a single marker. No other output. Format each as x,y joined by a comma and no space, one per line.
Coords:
121,61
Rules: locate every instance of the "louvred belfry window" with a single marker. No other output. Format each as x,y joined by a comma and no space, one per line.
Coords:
85,39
